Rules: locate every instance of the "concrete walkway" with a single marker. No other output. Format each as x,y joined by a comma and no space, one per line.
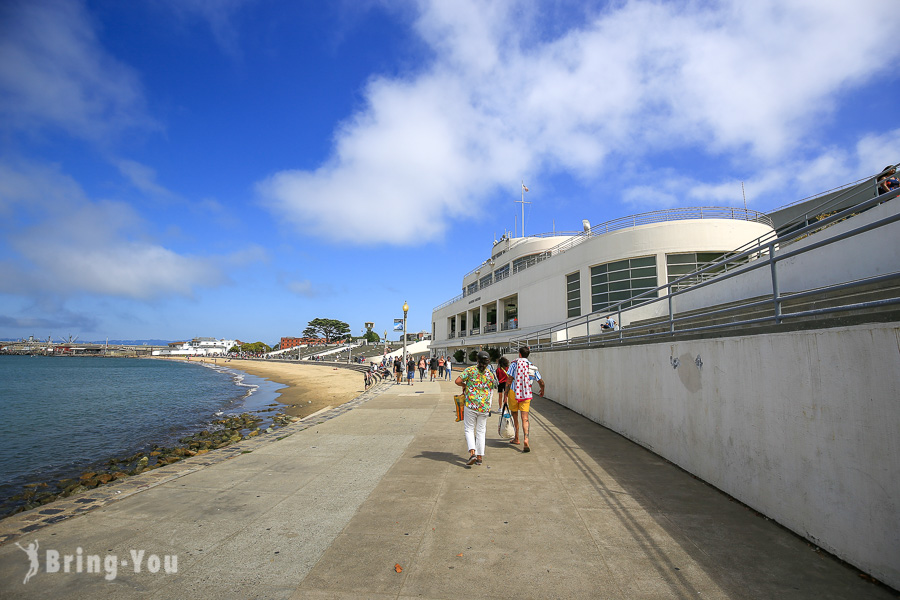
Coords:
331,509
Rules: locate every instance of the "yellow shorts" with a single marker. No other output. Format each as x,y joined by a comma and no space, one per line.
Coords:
517,406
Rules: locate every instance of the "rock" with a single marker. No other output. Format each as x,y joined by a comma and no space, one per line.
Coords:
144,461
78,489
155,453
203,451
104,478
119,475
87,476
253,433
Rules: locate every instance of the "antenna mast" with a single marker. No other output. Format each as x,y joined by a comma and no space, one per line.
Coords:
523,203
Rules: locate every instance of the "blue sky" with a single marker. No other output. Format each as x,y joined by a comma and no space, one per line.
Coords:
236,168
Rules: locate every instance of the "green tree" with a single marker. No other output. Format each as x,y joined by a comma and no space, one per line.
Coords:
330,329
255,347
473,356
371,337
494,353
459,355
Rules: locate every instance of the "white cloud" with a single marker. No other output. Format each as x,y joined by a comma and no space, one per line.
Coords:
800,178
142,177
218,14
53,72
734,78
302,288
68,244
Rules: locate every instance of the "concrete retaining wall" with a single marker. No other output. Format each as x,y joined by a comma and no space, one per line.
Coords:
802,426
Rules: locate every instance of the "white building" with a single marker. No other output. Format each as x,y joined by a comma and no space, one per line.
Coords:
202,346
530,283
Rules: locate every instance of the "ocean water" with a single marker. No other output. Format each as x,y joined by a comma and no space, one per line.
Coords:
61,416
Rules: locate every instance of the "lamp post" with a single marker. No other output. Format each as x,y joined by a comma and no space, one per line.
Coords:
385,342
405,310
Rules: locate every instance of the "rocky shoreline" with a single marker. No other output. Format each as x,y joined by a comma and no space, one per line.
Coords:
220,433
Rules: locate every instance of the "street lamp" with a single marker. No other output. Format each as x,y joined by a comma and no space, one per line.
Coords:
405,310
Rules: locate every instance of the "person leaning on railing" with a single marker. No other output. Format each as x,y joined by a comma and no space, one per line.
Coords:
887,180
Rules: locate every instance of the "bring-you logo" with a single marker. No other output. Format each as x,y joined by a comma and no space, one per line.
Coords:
108,565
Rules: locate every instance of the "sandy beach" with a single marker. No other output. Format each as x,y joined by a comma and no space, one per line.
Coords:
310,387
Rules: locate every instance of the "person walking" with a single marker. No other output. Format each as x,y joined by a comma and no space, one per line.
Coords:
422,368
398,370
441,367
478,383
410,370
448,367
502,380
433,364
522,374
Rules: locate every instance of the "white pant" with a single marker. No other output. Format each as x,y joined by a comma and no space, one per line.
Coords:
475,425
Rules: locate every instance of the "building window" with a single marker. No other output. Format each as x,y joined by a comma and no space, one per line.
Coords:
524,262
502,272
573,294
471,288
485,281
679,265
622,280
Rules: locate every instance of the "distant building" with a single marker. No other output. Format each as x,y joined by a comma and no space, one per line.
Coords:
201,346
293,342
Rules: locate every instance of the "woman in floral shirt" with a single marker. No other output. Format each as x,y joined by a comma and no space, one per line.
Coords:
478,383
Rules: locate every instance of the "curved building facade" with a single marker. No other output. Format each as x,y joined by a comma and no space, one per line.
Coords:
532,282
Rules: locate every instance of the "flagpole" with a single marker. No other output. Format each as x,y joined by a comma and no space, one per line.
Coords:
524,189
523,208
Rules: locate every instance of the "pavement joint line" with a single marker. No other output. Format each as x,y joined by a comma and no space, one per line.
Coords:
15,526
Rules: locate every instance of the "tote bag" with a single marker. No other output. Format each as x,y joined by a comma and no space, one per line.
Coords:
460,402
505,428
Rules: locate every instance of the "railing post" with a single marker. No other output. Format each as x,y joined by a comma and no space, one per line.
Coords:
587,324
621,335
671,313
775,293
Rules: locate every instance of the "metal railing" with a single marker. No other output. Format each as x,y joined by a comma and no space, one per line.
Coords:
575,238
765,252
